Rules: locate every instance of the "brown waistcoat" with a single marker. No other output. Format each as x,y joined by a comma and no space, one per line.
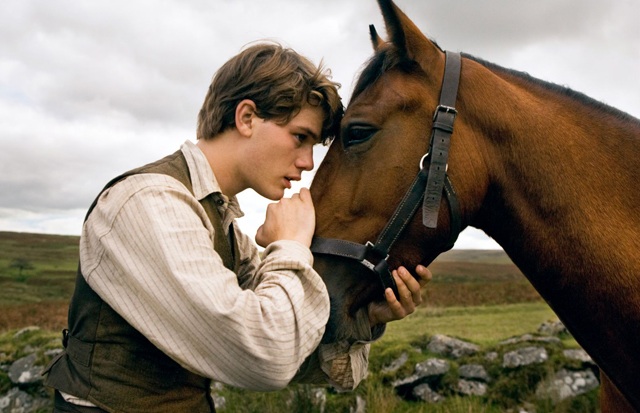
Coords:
111,364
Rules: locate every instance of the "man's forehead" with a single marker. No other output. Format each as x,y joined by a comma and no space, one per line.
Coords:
310,120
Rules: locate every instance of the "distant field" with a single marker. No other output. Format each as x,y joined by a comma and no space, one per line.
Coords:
39,293
478,277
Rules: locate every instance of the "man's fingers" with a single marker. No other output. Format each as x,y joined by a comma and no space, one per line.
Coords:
412,286
396,307
403,291
305,195
424,275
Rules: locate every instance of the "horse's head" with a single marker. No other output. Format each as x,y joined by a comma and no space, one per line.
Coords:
384,135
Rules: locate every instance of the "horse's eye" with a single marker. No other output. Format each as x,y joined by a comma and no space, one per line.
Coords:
356,134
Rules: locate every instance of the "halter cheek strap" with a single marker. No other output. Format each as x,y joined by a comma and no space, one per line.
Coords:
427,188
441,131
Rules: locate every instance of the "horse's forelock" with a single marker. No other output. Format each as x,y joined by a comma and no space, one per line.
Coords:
385,59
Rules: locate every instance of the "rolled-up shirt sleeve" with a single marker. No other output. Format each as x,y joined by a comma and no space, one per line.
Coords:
343,364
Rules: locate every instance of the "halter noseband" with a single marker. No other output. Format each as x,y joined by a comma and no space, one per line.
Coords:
427,188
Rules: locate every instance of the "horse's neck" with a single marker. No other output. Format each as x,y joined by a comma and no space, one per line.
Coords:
562,185
561,199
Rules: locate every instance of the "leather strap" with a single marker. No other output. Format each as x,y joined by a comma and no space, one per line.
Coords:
404,212
441,132
366,254
451,79
455,220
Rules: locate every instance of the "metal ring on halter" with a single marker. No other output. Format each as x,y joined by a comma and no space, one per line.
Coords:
424,157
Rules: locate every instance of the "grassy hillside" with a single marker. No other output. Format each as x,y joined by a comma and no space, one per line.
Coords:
37,275
478,277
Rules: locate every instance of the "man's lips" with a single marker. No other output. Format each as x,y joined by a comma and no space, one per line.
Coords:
289,179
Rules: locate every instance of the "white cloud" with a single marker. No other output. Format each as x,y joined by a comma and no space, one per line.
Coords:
65,222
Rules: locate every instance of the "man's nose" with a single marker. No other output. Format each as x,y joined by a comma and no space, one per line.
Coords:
305,160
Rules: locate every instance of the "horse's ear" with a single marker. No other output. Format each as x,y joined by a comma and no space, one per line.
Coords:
376,41
403,33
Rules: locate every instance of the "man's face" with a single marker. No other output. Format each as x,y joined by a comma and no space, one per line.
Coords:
280,152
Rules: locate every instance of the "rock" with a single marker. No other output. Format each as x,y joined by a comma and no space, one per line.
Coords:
396,364
24,331
428,371
53,352
475,372
525,356
491,356
552,328
361,405
530,337
471,388
565,384
453,347
426,394
23,371
319,398
525,408
219,401
578,354
18,401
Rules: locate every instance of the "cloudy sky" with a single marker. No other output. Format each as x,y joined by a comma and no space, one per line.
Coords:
89,89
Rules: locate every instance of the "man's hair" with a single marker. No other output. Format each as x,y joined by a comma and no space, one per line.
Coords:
279,81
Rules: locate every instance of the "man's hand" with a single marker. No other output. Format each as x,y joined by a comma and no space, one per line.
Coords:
410,296
290,218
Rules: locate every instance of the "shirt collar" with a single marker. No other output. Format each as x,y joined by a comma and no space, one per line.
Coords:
203,180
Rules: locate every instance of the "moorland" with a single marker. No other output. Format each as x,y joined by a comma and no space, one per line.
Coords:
475,295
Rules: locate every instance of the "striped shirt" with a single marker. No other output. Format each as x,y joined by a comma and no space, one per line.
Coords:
146,249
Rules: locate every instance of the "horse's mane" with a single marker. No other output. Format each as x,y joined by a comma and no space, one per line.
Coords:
390,57
562,90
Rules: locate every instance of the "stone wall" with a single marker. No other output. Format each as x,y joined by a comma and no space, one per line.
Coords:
443,367
453,367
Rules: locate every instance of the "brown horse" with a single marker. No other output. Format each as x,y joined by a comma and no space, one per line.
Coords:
547,172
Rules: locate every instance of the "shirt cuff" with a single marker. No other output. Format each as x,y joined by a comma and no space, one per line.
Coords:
346,363
343,364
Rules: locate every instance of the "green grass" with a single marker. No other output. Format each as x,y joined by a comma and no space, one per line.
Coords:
52,263
484,325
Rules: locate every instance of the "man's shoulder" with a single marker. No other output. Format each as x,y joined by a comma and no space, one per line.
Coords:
142,183
139,188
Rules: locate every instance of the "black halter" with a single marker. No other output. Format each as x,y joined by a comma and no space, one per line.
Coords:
427,188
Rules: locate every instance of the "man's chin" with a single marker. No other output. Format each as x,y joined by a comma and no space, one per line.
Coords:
272,195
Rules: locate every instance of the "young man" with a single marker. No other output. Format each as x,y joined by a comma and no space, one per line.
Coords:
170,294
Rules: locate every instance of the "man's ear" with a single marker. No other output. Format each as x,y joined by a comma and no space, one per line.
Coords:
245,113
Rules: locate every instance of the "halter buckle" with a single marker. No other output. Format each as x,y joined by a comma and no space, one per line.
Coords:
369,264
444,109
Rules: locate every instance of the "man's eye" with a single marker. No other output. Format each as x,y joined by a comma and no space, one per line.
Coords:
356,134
